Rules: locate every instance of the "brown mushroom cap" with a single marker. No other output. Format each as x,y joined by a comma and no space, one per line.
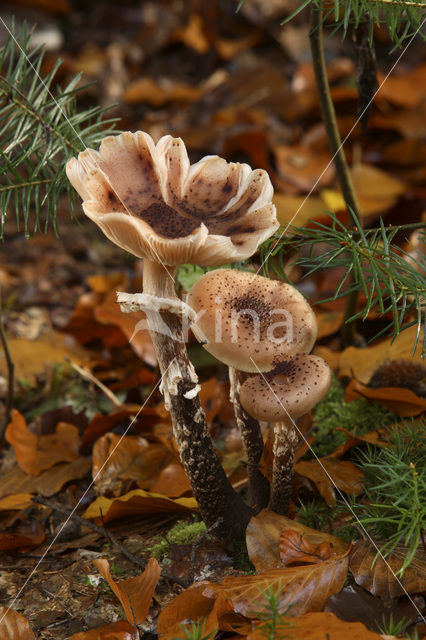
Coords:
150,201
250,322
291,389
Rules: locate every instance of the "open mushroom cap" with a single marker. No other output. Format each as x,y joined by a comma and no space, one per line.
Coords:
250,322
150,201
291,389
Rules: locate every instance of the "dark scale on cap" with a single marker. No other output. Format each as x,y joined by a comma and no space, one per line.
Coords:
167,222
251,309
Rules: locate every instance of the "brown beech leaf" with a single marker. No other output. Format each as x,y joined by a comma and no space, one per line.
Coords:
137,501
121,630
296,549
403,402
360,363
16,501
299,589
190,605
38,453
117,458
28,535
263,539
101,424
135,594
32,356
172,481
132,325
329,322
48,482
14,626
343,474
303,167
160,93
378,576
317,626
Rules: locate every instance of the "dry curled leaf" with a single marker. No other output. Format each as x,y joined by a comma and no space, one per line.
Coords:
137,501
13,626
328,473
263,539
298,589
135,594
121,630
118,458
48,482
317,626
296,549
403,402
38,453
378,575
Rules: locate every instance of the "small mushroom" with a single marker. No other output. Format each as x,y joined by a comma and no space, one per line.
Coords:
150,201
285,393
249,322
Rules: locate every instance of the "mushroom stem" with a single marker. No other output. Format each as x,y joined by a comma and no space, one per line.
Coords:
258,484
285,442
220,505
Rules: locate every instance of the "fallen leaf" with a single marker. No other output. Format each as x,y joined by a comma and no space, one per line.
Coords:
304,168
298,210
329,322
117,458
190,605
401,401
354,604
121,630
376,190
29,535
13,626
263,539
142,419
361,363
32,356
172,481
298,589
16,501
328,473
317,626
38,453
48,482
133,326
378,576
137,502
405,90
135,594
159,92
295,548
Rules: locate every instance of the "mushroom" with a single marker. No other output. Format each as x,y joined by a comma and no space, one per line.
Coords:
150,201
250,322
291,389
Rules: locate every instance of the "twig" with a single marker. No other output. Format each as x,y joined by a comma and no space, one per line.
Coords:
85,373
10,378
336,148
102,531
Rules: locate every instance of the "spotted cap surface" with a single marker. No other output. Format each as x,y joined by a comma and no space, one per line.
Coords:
250,322
150,201
292,388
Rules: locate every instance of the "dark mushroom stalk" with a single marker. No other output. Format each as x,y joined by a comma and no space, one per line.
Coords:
280,396
251,436
149,200
249,322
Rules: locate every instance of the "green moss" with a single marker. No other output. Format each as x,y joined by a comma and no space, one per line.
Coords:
357,417
182,533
